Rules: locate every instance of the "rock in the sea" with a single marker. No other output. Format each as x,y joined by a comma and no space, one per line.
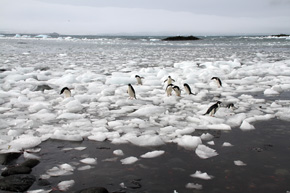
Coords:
181,38
17,183
16,170
31,163
94,190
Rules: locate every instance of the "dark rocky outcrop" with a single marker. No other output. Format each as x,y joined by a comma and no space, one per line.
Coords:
17,183
280,35
94,190
16,170
181,38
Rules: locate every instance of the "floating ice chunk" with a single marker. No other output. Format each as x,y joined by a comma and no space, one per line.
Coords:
146,140
188,141
193,186
118,152
206,136
90,161
246,126
65,185
120,80
270,91
223,127
239,163
66,137
237,119
227,144
74,106
39,191
129,160
185,131
70,116
199,174
98,136
24,142
80,148
153,154
148,111
62,170
205,152
87,167
37,107
211,143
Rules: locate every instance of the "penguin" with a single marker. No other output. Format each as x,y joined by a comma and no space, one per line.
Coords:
230,106
169,89
131,92
177,90
218,81
139,79
66,91
187,88
169,80
213,109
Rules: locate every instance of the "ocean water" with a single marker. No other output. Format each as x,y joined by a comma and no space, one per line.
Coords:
255,75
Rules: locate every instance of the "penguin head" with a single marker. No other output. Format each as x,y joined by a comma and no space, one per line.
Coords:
137,76
218,103
214,78
176,88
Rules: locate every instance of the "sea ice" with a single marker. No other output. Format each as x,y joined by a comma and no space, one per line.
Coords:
199,174
239,163
129,160
153,154
65,185
205,152
90,161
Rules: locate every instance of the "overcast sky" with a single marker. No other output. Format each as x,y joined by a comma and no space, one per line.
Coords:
145,17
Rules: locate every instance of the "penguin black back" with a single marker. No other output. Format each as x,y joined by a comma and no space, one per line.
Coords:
219,82
187,88
63,89
213,109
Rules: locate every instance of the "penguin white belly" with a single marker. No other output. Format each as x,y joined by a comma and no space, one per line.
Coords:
139,81
67,93
169,91
131,93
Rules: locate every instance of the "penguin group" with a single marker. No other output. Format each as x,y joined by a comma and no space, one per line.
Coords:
169,88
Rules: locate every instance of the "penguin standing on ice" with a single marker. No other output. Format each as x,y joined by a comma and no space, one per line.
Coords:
218,81
139,79
177,91
169,89
187,88
66,91
169,80
231,106
131,92
213,109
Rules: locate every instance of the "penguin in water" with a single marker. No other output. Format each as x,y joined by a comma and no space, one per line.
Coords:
177,91
131,92
66,91
139,79
169,80
187,88
213,109
169,89
218,81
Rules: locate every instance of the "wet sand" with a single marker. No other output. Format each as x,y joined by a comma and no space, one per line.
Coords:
265,150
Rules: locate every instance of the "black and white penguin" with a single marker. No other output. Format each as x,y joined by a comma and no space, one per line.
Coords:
66,91
218,81
187,88
169,80
230,106
177,91
131,92
169,89
139,79
213,109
